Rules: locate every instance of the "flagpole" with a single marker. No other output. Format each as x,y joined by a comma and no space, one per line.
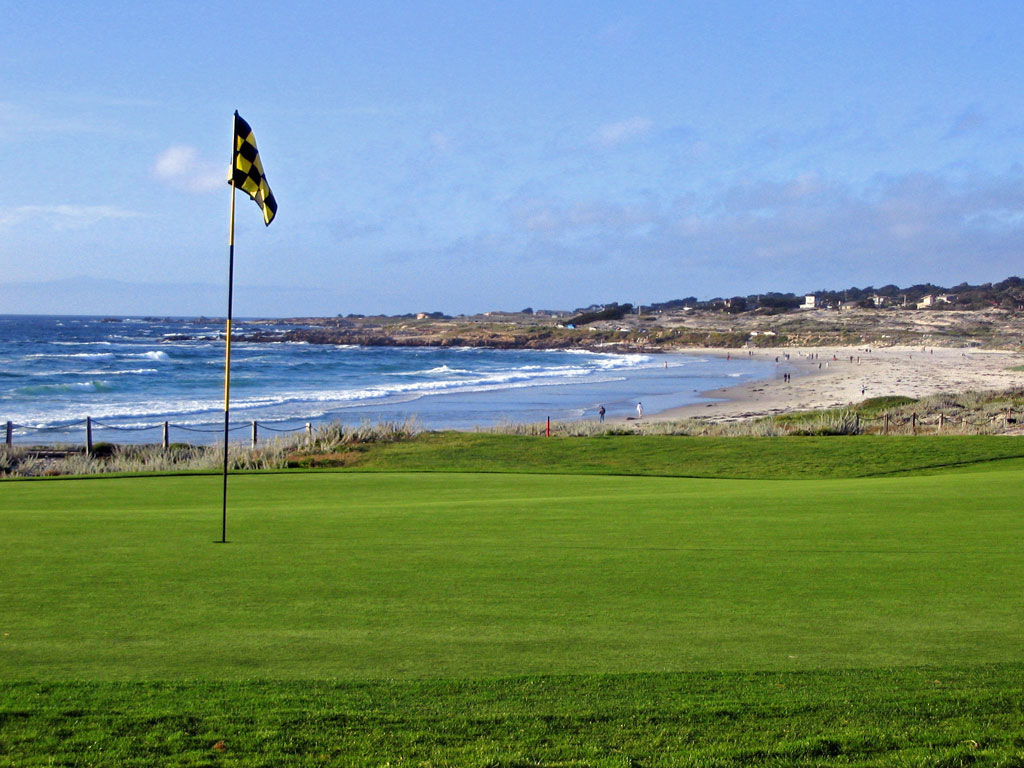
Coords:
227,338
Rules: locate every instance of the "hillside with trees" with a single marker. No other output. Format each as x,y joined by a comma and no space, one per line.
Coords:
1006,294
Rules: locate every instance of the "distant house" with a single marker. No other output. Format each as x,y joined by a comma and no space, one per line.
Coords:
932,300
810,302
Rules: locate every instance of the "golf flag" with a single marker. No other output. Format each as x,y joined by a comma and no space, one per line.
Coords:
247,175
247,170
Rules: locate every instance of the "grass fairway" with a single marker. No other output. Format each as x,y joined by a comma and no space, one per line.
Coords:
504,619
673,456
426,575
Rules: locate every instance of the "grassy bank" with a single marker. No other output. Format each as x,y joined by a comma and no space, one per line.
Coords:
675,456
617,454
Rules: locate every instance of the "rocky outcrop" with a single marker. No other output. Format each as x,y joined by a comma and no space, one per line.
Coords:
482,338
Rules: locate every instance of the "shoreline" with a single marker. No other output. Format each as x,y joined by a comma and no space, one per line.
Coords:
826,377
759,382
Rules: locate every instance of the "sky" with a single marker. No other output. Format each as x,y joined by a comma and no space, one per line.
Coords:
471,156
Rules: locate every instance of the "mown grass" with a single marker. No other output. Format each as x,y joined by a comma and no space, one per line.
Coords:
383,575
678,456
510,619
652,455
942,716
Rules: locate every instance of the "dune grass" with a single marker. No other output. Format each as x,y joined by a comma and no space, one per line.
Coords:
508,619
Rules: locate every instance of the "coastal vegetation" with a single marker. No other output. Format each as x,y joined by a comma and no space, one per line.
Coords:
1007,294
987,316
530,614
623,447
672,330
667,330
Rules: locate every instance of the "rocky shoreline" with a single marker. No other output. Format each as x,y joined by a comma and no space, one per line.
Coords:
661,332
483,339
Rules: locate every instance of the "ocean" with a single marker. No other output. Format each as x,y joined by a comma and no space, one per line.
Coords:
130,375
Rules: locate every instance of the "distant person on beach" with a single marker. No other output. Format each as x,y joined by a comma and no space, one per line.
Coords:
600,413
639,410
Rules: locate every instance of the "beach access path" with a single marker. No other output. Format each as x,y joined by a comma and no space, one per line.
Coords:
830,377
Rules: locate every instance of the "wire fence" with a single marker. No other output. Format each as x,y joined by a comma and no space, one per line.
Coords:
848,422
88,425
934,423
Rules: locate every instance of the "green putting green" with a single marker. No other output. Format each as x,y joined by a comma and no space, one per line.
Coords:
448,575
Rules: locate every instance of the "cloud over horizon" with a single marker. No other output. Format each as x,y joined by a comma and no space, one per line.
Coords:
612,135
63,216
759,235
184,168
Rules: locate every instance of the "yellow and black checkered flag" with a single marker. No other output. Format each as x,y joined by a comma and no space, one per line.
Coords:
247,170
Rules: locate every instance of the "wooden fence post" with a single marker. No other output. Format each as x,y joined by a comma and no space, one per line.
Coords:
885,425
255,435
10,433
856,423
913,423
963,423
88,435
309,429
167,435
942,421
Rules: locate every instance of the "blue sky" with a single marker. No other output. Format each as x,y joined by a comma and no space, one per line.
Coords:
467,156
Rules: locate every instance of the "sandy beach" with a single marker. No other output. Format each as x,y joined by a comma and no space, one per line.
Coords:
828,377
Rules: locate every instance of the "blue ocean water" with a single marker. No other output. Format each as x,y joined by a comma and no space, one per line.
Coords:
130,375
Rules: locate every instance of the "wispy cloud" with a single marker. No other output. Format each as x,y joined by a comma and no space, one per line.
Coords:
613,135
800,233
571,220
63,216
17,121
183,168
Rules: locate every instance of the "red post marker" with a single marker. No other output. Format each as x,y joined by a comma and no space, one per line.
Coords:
547,432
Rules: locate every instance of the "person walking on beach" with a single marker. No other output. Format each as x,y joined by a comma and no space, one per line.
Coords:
639,410
600,413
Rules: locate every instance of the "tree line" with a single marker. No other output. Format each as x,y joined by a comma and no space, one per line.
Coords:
1006,294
